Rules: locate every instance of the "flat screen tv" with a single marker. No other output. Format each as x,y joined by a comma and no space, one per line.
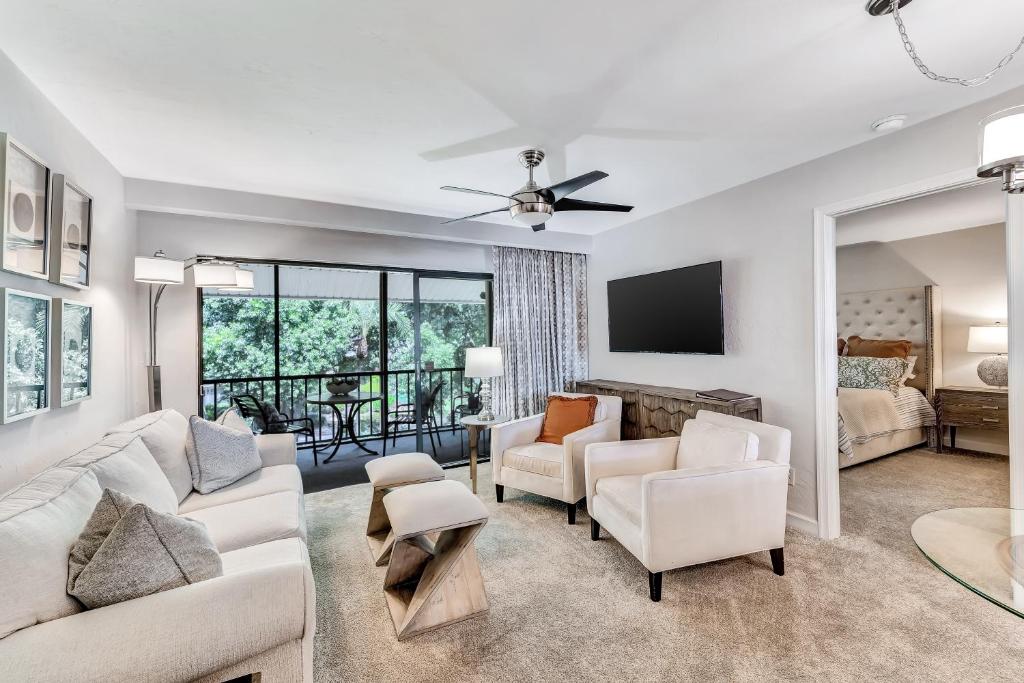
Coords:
674,311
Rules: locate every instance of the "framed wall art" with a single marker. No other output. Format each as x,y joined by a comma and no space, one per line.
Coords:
72,352
25,226
70,233
26,320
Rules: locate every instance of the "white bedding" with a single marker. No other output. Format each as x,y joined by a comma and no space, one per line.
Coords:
866,414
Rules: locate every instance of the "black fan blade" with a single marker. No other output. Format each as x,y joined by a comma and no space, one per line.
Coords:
472,191
475,215
581,205
538,227
567,187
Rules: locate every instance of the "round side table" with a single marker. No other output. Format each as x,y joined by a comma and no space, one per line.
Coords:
474,425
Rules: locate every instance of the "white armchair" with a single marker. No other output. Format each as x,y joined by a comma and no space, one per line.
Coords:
671,518
546,469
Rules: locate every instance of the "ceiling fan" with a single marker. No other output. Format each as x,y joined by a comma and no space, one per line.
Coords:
533,205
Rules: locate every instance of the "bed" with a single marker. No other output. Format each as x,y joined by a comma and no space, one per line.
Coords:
873,422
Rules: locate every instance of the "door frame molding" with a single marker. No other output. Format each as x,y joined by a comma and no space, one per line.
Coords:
825,332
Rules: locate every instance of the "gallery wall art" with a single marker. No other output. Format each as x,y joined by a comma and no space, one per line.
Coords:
26,319
72,352
70,233
26,191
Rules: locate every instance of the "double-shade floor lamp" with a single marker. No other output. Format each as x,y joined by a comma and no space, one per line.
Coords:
158,271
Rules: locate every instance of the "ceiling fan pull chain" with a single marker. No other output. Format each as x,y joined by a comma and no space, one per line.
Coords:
923,68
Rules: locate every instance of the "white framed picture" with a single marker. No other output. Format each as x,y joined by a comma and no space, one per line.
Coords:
70,233
72,348
25,180
26,320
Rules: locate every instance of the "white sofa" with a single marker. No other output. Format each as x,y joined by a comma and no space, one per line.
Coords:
547,469
258,617
670,517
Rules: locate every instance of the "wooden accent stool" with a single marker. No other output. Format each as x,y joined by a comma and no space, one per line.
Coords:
387,474
433,583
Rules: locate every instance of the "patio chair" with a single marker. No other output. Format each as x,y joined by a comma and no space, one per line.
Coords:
405,414
269,421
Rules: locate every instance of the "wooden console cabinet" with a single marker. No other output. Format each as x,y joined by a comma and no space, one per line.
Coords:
651,412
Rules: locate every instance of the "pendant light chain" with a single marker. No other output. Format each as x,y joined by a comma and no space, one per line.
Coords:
965,82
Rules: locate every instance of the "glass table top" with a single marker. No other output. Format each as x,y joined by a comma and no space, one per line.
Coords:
981,548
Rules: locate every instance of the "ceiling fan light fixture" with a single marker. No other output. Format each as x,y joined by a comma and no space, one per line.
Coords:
532,213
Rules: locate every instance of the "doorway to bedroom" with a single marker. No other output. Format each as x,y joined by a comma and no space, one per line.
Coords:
921,320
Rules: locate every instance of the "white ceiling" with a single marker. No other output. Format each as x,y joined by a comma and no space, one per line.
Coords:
379,103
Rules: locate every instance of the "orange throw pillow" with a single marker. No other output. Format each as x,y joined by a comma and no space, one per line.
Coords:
878,348
841,343
566,415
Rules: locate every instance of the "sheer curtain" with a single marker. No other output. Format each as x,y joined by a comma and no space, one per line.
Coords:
540,322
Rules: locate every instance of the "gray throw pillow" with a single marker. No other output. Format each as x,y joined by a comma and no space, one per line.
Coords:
129,550
219,455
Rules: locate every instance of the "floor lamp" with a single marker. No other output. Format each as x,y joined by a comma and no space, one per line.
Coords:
158,271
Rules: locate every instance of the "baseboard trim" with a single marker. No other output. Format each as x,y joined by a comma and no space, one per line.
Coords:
802,523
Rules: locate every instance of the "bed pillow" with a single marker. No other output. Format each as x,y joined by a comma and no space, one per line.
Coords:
867,372
878,348
842,345
909,374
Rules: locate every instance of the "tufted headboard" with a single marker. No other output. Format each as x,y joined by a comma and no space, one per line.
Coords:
914,314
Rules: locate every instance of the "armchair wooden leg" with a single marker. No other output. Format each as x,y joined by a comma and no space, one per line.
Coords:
654,581
499,492
571,508
595,530
778,561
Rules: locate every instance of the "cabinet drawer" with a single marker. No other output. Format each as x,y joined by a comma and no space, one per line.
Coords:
989,414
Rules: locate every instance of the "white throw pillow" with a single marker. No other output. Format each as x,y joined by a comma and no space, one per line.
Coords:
219,455
703,444
231,418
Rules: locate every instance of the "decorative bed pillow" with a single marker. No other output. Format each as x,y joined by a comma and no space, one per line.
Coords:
702,444
128,550
219,455
565,415
878,348
867,372
841,343
909,374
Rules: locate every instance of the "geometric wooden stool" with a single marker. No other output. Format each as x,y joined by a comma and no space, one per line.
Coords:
387,474
432,583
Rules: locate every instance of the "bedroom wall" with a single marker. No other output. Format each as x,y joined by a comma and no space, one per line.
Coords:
763,233
182,236
29,445
970,267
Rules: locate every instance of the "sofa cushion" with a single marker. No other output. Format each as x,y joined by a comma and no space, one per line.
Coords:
123,463
263,481
219,455
129,550
39,522
539,458
624,493
703,444
255,520
163,432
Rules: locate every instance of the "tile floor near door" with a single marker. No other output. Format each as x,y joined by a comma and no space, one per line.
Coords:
867,606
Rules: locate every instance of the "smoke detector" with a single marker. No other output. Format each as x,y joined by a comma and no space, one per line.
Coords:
889,123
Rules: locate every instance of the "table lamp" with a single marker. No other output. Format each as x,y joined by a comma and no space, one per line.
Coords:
483,363
991,339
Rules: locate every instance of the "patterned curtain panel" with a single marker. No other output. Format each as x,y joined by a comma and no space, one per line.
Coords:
540,322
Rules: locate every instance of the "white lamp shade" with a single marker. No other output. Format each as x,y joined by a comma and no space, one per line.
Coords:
215,275
245,281
988,339
159,271
1001,141
484,361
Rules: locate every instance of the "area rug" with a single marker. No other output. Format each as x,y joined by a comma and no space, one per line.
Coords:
565,608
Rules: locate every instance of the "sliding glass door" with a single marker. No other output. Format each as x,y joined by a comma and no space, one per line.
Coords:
368,355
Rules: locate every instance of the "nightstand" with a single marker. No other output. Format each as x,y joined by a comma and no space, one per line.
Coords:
974,407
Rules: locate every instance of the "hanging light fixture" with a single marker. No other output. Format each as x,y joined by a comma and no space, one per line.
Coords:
1001,148
878,8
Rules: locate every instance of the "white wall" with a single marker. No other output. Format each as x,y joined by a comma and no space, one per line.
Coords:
184,236
763,231
30,445
969,266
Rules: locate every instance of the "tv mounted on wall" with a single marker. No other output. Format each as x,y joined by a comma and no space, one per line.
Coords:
674,311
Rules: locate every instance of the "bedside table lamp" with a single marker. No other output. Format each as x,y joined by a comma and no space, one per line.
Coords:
991,339
483,363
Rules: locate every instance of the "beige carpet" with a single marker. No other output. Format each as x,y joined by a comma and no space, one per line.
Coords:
564,608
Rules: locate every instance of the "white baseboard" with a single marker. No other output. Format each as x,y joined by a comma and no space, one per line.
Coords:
795,520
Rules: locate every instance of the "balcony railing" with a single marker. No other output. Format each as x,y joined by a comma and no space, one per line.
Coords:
370,422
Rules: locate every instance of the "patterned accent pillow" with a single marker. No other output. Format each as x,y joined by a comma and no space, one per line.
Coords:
867,372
